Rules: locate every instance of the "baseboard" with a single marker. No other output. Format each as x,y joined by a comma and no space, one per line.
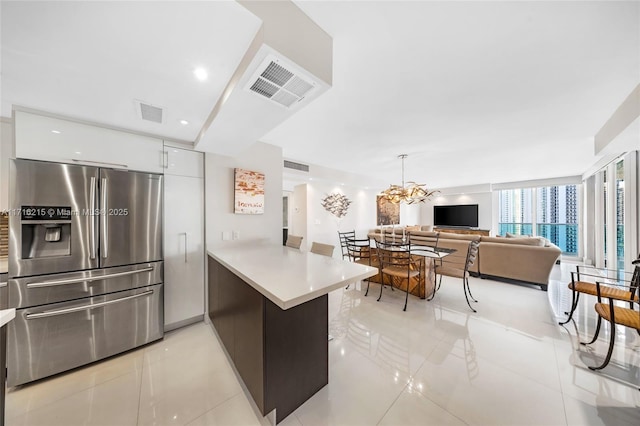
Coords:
183,323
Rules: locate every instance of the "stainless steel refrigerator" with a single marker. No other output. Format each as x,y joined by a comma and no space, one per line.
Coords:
85,265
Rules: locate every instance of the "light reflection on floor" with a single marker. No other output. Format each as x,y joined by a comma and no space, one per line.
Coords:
437,363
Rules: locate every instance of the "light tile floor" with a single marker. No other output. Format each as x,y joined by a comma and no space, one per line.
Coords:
438,363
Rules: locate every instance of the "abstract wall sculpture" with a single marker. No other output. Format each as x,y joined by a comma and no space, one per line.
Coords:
249,192
336,204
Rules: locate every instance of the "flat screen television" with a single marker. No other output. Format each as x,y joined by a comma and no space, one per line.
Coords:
462,215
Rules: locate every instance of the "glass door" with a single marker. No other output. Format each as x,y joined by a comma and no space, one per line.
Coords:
619,211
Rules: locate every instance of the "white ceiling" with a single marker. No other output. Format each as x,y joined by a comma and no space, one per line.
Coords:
474,92
91,60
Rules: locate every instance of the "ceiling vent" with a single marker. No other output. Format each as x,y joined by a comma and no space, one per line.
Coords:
149,112
296,166
280,82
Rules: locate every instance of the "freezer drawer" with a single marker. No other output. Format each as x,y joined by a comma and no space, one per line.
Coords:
50,339
46,289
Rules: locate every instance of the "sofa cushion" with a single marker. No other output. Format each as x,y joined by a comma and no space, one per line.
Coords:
429,234
427,228
466,237
510,235
525,241
412,228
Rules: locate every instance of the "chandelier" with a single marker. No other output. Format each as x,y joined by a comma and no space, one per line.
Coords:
409,194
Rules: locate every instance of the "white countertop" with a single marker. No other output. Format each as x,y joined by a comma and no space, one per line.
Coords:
7,315
289,277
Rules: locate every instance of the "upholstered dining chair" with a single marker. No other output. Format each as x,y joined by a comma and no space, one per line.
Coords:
344,236
396,261
586,278
446,268
323,249
294,241
615,315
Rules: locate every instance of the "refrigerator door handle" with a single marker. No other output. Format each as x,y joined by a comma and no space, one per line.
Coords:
86,279
105,219
46,314
92,208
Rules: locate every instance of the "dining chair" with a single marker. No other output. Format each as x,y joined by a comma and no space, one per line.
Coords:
615,315
360,252
396,262
446,268
586,278
323,249
294,241
344,236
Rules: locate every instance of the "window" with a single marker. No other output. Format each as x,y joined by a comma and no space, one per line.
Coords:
557,216
550,212
515,212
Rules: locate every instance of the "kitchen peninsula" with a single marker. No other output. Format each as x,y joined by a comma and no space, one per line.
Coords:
269,307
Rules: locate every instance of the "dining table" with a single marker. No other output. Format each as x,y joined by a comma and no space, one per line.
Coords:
427,255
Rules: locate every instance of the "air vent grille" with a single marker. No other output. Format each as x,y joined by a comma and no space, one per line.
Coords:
298,86
264,88
151,113
296,166
275,81
284,98
277,74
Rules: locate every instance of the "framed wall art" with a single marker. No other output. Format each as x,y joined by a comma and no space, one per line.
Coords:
249,192
388,213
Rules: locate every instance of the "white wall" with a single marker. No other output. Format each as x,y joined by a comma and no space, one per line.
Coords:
484,200
6,152
298,208
219,188
314,223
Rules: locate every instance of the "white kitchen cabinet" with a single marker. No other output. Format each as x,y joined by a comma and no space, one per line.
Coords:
183,162
183,250
52,139
6,148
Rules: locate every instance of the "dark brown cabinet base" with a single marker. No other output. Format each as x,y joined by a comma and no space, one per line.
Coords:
281,355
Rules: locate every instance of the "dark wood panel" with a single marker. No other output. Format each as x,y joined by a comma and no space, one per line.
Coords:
297,354
237,313
249,337
281,355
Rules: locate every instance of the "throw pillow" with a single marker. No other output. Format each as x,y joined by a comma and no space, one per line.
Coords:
413,228
510,235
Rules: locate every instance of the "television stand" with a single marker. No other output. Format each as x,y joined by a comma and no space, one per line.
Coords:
462,230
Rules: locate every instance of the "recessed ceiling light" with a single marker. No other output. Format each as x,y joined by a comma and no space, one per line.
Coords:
78,152
57,132
200,73
184,122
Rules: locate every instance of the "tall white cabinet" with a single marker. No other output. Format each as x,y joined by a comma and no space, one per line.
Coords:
183,237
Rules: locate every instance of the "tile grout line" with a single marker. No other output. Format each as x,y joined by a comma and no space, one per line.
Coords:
564,404
435,402
140,388
212,408
394,401
84,389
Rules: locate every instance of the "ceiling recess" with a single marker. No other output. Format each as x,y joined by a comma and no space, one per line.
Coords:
280,83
